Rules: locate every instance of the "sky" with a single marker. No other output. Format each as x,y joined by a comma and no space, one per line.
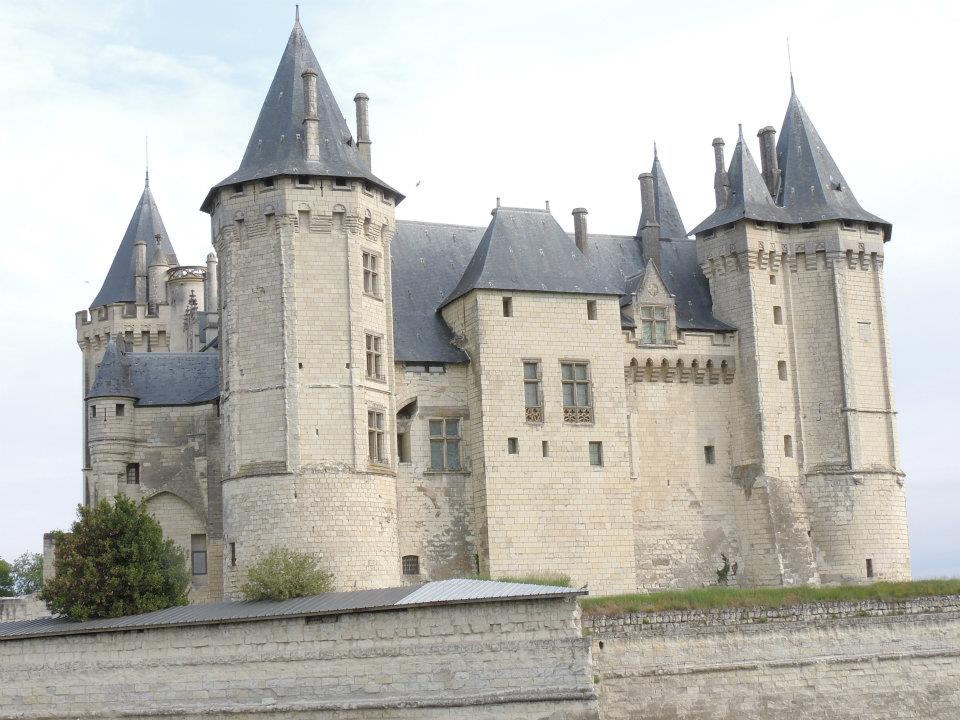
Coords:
470,101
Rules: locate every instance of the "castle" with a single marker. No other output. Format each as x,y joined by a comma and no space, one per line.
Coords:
416,401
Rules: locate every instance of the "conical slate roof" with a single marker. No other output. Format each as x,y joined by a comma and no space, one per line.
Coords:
526,249
749,197
113,375
668,216
146,224
813,188
276,146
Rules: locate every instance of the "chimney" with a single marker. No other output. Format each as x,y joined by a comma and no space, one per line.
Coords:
363,126
140,270
210,287
311,123
580,228
768,159
721,182
157,275
650,232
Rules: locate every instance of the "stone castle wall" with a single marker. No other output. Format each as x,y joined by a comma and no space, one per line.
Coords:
513,659
846,661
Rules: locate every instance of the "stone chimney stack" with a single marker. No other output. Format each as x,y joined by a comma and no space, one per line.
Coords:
650,232
768,159
580,228
140,270
363,126
210,289
721,181
311,123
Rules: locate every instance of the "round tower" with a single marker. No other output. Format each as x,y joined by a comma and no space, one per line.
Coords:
302,233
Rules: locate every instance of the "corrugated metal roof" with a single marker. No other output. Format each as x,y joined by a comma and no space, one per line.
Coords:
441,592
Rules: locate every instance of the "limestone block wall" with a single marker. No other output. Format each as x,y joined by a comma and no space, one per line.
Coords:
546,508
839,660
435,508
515,659
24,607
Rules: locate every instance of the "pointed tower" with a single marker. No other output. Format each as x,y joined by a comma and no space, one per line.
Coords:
302,232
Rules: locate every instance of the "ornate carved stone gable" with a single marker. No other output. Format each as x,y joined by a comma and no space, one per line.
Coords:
652,290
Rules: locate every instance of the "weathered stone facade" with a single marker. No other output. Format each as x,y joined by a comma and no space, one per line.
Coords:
414,401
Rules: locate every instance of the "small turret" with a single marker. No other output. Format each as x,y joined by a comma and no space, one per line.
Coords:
211,293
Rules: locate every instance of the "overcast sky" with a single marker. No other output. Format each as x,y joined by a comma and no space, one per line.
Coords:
528,101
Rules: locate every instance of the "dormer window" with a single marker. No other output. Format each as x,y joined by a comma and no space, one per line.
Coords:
653,324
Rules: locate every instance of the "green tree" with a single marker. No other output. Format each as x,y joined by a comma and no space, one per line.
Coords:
6,579
282,574
28,573
113,562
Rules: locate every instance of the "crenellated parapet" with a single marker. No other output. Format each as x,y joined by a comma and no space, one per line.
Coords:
143,330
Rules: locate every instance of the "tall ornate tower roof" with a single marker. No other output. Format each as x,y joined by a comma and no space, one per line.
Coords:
749,196
813,188
526,249
278,143
668,216
145,225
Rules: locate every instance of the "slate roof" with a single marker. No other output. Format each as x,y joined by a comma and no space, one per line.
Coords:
812,187
145,224
668,216
276,145
749,196
526,249
158,378
443,592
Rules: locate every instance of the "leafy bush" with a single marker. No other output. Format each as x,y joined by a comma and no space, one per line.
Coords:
113,562
282,574
28,573
6,579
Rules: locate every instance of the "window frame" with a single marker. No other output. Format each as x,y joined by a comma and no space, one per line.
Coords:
197,554
445,440
595,451
135,467
533,413
372,286
374,356
578,413
414,563
376,437
654,324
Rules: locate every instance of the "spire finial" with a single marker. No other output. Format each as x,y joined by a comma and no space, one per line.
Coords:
146,156
790,67
654,149
296,14
740,131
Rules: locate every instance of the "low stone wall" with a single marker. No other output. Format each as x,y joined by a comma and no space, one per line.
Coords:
503,659
24,607
834,660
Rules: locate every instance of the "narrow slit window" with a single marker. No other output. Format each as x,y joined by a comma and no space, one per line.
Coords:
403,447
777,315
788,446
596,454
233,554
508,307
546,448
591,309
869,567
709,455
782,369
93,411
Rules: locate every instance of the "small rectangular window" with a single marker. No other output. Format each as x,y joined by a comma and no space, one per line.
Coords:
445,444
777,315
709,455
415,368
508,307
773,279
848,225
787,446
238,188
233,554
375,437
436,368
374,357
782,369
591,309
411,564
808,226
513,446
341,182
403,447
596,453
869,567
303,179
577,395
371,274
532,391
198,554
873,228
546,448
120,409
93,411
268,183
133,473
760,223
781,227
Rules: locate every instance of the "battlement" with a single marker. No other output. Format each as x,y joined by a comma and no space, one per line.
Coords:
141,328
